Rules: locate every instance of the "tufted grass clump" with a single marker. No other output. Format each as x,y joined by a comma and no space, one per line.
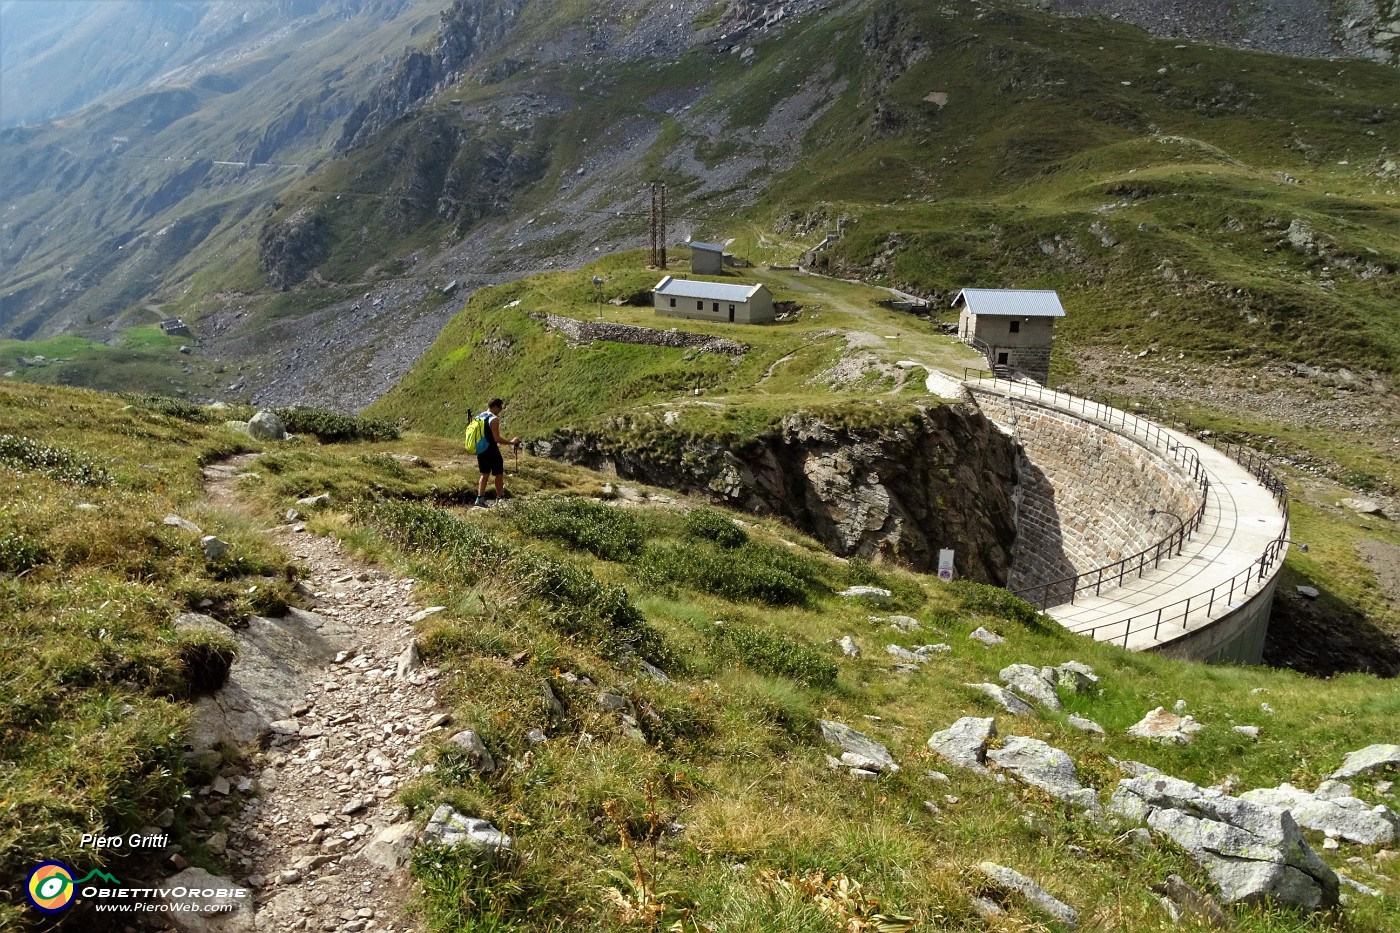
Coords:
605,531
730,574
176,408
331,427
20,552
713,525
27,455
575,599
975,597
771,652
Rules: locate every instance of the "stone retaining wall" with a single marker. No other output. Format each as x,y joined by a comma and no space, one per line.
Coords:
587,331
1083,493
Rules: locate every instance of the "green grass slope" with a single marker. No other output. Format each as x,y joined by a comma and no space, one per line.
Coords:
499,345
719,811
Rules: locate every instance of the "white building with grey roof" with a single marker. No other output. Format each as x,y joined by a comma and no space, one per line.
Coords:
699,300
1013,327
706,258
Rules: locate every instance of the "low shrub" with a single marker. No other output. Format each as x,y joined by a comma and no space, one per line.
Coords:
738,575
713,525
19,552
576,601
976,597
26,455
605,531
175,408
773,653
331,427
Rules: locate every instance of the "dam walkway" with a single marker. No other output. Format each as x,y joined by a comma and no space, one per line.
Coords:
1224,571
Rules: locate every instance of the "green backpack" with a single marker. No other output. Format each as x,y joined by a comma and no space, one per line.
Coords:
478,433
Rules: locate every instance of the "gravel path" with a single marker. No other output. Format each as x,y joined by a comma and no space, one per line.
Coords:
327,784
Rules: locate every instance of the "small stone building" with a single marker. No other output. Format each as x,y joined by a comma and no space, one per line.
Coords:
1013,327
706,258
175,327
698,300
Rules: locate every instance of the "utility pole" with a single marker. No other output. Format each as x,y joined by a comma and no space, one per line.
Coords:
658,225
663,226
655,256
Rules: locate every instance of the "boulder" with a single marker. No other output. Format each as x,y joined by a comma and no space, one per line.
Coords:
904,654
1009,701
1369,760
876,593
1255,853
410,661
899,623
964,743
1184,904
175,521
449,829
1341,816
876,756
221,906
480,759
1033,762
391,848
1010,881
985,637
1363,506
1029,681
849,647
214,548
1166,728
311,502
266,426
1071,676
1084,725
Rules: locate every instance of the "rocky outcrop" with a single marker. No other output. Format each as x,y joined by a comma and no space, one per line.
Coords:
1339,817
901,490
1255,853
289,249
466,28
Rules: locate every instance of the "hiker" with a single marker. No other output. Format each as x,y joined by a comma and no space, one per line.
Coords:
488,450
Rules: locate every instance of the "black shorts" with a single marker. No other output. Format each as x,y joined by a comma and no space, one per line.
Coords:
491,463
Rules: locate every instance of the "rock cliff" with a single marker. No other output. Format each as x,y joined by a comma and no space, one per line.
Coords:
940,478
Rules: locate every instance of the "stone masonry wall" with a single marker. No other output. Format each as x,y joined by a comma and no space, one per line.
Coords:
580,332
1083,494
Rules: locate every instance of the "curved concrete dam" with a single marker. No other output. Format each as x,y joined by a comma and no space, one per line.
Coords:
1133,533
1117,527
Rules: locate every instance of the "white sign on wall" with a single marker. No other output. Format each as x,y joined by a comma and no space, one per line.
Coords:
945,564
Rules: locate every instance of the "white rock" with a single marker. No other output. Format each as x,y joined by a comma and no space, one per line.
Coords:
849,647
1009,701
964,744
987,638
1014,882
1165,728
865,592
1369,760
1084,725
425,613
449,829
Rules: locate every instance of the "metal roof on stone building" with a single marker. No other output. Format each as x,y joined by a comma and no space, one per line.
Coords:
1011,302
708,247
714,291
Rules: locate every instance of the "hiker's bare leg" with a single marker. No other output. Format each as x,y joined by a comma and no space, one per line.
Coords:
481,486
500,486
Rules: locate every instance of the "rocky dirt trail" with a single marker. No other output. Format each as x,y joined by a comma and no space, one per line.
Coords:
315,829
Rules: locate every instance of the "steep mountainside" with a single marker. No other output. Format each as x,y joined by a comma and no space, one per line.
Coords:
1193,199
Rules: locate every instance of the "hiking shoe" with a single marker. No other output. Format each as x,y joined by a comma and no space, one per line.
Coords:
504,496
480,503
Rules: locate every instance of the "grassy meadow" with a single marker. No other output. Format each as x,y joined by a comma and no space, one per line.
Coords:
722,814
